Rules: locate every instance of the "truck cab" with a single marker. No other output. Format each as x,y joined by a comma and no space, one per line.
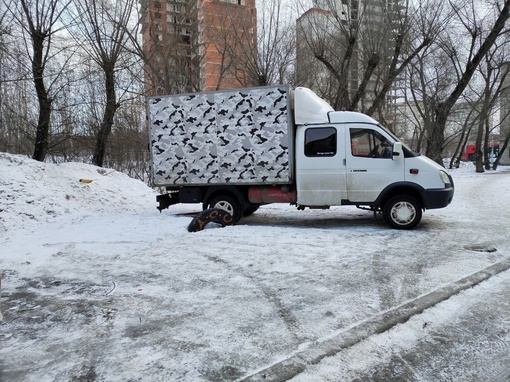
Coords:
348,158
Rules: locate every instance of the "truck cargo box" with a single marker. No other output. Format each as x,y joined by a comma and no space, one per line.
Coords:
239,137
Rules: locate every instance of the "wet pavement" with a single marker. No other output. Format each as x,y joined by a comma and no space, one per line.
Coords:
461,332
465,338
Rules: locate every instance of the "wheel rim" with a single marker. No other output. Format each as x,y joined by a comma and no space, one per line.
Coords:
225,206
403,213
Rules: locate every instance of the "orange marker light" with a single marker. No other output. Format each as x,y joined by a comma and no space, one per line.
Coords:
414,171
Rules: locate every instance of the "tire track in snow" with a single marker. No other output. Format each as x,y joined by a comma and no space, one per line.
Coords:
289,319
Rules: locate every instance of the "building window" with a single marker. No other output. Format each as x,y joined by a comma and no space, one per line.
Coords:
238,2
320,142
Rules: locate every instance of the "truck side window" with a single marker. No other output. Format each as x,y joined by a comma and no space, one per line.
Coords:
320,142
370,144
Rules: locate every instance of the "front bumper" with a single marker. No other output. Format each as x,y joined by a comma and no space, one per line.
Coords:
437,198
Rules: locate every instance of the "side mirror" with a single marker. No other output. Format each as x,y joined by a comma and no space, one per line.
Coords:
398,152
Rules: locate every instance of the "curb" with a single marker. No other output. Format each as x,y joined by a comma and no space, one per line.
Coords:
313,354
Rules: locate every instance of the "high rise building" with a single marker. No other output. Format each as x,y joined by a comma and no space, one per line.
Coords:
227,31
197,45
338,42
169,39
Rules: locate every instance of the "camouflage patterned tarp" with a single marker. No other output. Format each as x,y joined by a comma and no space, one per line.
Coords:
240,136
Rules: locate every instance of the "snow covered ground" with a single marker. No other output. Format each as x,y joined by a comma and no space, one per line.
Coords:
99,286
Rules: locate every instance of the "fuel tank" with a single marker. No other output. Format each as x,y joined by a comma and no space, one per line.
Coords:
271,194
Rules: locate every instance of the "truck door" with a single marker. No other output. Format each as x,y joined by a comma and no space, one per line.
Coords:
320,165
369,163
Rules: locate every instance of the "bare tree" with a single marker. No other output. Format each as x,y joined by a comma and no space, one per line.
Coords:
504,109
4,32
429,78
267,58
506,141
479,45
363,48
228,41
41,21
493,72
170,47
468,123
128,142
104,36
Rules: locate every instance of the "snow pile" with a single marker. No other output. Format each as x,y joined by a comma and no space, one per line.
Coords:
32,192
104,287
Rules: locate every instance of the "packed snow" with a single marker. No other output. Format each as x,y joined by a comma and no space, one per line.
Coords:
99,285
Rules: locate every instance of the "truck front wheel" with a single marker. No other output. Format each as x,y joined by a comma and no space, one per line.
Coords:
229,204
402,212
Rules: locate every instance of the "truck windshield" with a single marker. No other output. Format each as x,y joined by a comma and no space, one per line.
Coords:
389,133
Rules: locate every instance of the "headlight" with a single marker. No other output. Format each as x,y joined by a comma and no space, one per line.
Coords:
445,178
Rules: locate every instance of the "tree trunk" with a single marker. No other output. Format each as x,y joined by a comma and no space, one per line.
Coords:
435,137
371,66
501,151
486,145
108,115
456,157
43,123
479,151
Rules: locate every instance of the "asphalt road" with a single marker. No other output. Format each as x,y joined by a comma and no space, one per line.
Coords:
459,333
474,347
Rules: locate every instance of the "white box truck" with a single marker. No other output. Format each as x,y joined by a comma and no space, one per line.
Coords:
239,149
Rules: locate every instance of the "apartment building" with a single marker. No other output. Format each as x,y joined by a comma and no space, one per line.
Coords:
346,33
197,45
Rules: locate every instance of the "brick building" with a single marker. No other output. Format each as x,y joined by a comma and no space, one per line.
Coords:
197,45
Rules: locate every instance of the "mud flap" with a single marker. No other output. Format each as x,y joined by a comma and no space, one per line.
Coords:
211,215
167,200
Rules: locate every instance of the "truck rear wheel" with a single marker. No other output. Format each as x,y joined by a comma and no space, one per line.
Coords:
402,212
229,204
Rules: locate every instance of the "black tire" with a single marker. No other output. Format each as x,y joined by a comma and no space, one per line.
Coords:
251,209
402,212
229,204
211,215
